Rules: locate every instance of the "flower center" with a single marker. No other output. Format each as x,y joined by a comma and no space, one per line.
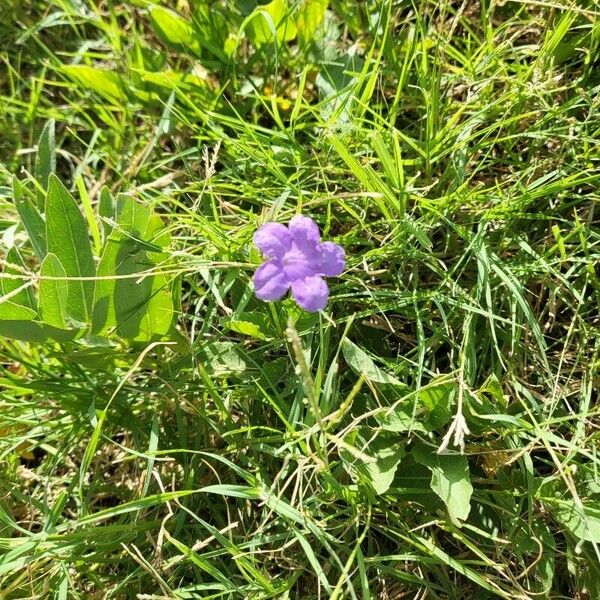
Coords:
297,265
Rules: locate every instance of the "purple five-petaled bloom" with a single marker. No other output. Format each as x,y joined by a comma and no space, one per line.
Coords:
297,259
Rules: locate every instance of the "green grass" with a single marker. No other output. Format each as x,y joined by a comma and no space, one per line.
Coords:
255,451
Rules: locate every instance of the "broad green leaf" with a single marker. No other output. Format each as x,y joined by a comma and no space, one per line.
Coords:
68,239
53,293
309,17
45,162
437,398
138,222
270,22
273,372
31,219
583,523
363,364
34,331
88,213
398,420
96,357
174,80
157,316
251,324
106,83
157,88
107,209
212,29
17,322
174,30
16,312
139,306
387,456
450,480
493,387
413,482
246,328
221,358
128,297
15,266
374,460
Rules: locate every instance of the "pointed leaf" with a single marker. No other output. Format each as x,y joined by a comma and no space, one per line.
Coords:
34,331
437,398
493,387
45,162
174,30
222,358
248,326
270,22
158,315
582,522
107,209
374,460
16,266
309,18
88,213
450,480
11,311
106,83
68,239
387,455
363,364
53,293
138,304
212,30
30,218
398,420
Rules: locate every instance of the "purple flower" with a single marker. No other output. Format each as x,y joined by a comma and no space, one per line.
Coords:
297,259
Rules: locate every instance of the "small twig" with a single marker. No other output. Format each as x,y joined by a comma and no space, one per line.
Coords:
308,384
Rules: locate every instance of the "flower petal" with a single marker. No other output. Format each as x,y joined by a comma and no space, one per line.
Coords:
270,281
332,259
305,231
273,239
311,293
298,264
